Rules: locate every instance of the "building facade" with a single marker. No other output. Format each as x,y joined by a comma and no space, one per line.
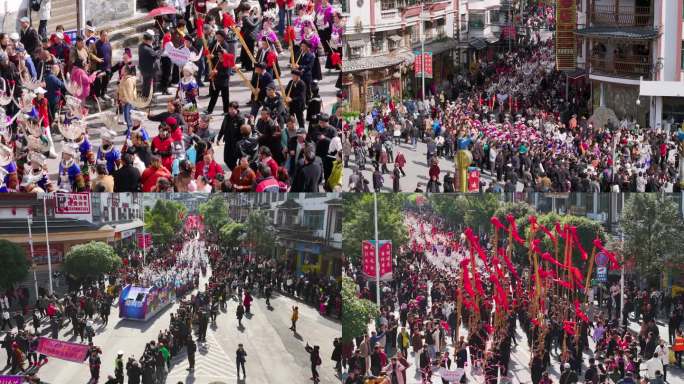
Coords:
631,51
382,39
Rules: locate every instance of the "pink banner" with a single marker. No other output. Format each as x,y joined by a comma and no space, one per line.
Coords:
63,349
11,379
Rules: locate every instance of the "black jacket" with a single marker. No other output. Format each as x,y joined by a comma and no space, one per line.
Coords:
30,39
306,178
147,56
127,179
230,133
297,92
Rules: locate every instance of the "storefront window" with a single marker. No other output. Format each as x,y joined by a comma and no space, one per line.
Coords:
476,21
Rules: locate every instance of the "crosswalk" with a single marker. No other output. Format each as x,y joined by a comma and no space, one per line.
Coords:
212,363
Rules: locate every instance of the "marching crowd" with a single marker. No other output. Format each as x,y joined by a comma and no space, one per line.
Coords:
426,325
522,125
286,139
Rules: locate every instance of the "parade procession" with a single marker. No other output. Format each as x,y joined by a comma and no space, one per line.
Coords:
81,113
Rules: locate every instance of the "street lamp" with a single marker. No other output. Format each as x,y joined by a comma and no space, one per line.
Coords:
636,113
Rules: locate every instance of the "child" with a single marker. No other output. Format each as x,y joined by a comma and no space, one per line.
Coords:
41,105
187,87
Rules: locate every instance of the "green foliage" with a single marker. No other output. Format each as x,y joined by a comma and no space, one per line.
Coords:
215,213
358,222
473,211
452,208
231,234
653,231
260,233
91,260
356,313
587,231
163,221
13,264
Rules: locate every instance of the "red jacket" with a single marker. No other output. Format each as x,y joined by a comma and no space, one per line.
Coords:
42,107
151,175
212,170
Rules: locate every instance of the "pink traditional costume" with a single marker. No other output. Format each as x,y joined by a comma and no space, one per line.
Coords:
335,45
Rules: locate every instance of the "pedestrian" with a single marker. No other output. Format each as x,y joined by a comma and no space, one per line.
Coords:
294,318
119,368
94,363
133,371
240,359
239,313
315,359
247,301
191,348
147,59
395,179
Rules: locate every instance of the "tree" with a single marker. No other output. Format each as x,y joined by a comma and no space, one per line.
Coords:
215,213
164,221
587,231
13,264
357,313
480,210
358,222
653,233
231,234
91,260
452,208
260,233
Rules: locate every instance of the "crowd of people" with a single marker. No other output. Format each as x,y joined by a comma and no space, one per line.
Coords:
526,128
206,278
286,139
442,316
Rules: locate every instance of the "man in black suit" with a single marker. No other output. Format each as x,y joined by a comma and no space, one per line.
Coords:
296,96
127,178
260,81
306,64
230,133
307,176
29,37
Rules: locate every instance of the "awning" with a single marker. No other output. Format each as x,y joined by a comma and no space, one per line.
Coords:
372,62
439,46
356,43
576,74
661,88
630,33
394,38
478,44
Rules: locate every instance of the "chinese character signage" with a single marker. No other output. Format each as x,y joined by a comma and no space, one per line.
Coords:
144,241
418,64
384,257
566,42
73,206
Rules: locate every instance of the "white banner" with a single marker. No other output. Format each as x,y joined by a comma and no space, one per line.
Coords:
179,56
451,376
73,206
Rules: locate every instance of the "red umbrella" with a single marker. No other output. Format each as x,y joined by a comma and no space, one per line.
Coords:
162,11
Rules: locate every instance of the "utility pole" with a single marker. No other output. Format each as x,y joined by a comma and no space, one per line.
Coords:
377,249
47,244
29,221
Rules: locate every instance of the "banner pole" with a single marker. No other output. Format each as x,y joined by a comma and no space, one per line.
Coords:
377,256
47,243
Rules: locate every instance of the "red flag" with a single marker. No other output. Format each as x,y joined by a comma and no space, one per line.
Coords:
573,232
228,60
497,223
228,21
559,231
200,27
271,59
290,34
335,59
514,229
548,234
563,283
580,313
205,52
510,266
547,257
569,327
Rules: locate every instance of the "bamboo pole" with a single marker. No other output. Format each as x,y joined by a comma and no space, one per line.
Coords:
243,43
249,84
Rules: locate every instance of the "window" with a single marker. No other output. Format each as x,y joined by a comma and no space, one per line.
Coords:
415,35
494,17
314,219
355,52
388,4
338,223
476,21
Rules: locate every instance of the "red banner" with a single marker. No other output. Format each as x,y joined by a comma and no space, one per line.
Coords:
146,241
418,64
566,42
474,181
384,256
63,349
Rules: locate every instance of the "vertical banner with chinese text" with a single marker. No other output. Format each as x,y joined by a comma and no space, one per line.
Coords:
384,255
566,41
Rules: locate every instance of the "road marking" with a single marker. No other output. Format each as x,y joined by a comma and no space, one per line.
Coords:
211,361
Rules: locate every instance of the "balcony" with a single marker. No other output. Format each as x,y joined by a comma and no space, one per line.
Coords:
627,67
621,16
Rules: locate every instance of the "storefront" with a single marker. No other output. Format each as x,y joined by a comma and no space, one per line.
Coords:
368,80
444,63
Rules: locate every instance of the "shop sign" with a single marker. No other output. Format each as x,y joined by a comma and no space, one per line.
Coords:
566,41
418,64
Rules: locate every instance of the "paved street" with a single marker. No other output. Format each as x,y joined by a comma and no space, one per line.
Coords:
274,353
238,92
416,169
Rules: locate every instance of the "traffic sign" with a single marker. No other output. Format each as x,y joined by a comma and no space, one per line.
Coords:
602,259
602,274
